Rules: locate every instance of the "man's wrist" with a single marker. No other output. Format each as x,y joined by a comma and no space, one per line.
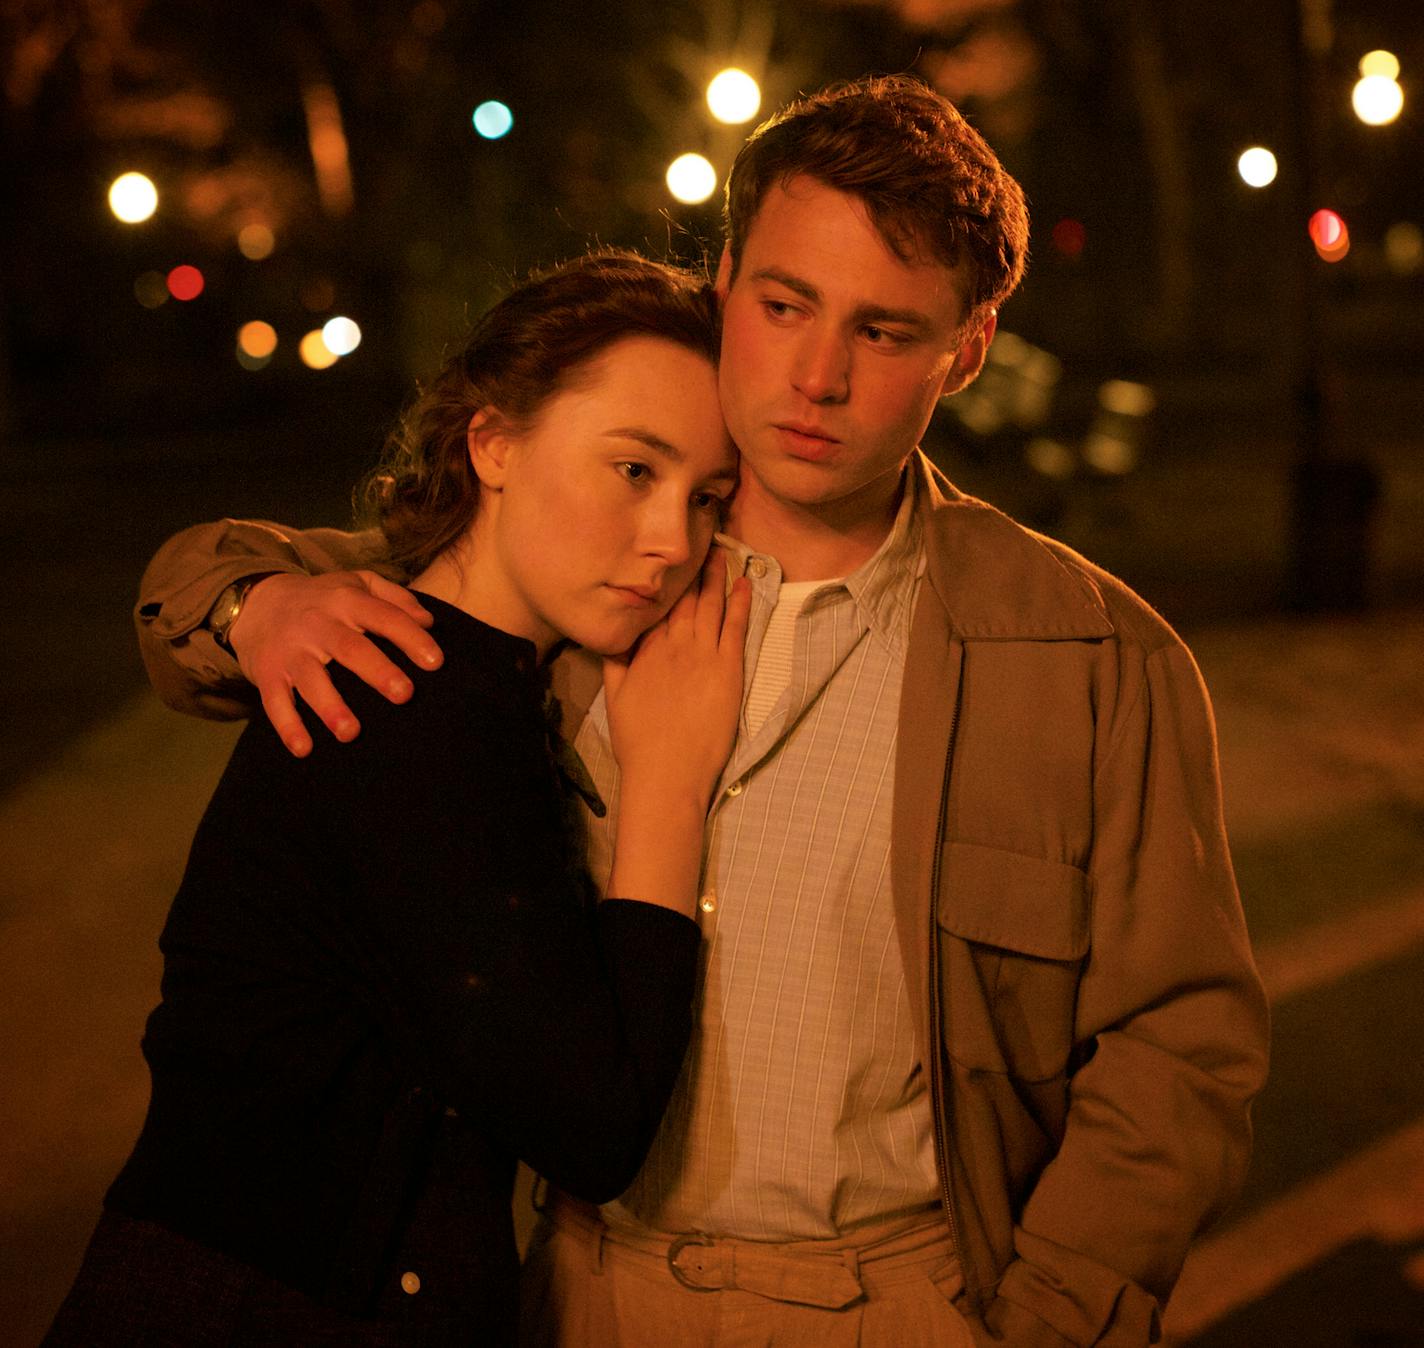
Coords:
226,610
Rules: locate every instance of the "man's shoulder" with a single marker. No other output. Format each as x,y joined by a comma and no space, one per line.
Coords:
1000,578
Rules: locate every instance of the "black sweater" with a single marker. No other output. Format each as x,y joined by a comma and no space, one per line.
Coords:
385,978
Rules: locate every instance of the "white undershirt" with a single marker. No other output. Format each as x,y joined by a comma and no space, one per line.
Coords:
773,666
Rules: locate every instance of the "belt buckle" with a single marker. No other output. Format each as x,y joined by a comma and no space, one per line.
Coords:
675,1249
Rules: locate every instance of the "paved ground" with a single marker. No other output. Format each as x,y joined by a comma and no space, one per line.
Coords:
1322,734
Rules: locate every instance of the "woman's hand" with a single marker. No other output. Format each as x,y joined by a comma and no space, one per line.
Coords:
673,707
672,717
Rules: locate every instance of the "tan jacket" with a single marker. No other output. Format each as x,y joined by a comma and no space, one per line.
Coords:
1071,933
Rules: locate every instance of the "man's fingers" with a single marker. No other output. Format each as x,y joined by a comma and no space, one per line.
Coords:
313,683
286,721
374,613
364,659
391,593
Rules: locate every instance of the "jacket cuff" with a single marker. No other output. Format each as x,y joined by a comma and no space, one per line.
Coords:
1082,1301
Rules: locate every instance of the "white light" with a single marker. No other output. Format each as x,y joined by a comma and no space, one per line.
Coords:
493,120
691,179
341,336
1384,63
733,97
1257,166
133,198
1377,99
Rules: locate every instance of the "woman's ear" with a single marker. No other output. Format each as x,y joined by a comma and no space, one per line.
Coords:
489,445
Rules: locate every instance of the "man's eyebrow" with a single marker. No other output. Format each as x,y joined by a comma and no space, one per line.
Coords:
905,318
864,313
793,283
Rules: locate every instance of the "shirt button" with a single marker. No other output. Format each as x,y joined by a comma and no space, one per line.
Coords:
735,789
410,1283
756,568
708,902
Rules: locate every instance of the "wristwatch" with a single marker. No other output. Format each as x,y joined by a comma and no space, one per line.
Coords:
224,612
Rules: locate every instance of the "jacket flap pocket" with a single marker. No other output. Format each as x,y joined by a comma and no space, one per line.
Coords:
1014,901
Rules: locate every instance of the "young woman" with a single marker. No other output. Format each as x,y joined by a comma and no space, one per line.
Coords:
385,977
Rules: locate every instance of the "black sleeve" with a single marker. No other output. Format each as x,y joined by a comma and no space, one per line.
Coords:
556,1028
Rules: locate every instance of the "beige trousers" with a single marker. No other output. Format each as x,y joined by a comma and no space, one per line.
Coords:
586,1286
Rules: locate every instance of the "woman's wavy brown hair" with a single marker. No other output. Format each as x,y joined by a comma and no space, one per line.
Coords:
534,343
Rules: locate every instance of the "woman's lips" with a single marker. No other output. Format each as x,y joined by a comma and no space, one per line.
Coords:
636,596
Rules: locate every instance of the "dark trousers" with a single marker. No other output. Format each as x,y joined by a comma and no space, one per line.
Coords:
142,1286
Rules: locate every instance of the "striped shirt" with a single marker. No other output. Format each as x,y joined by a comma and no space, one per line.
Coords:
803,1110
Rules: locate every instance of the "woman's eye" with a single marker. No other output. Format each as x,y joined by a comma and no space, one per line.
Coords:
707,500
636,472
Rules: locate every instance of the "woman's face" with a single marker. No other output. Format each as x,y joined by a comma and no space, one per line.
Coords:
593,521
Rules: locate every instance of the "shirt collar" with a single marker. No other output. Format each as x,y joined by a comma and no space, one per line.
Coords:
883,586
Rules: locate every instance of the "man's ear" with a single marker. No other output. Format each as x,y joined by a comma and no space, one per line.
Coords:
723,283
969,359
489,444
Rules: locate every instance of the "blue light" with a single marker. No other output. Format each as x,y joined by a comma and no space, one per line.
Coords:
493,120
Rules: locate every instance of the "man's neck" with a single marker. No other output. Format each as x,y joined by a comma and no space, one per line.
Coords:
826,541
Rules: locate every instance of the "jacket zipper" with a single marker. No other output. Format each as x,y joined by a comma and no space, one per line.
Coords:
936,1030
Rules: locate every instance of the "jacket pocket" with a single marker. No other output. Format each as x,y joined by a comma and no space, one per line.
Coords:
1014,933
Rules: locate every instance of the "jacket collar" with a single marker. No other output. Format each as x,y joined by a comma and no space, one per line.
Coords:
997,580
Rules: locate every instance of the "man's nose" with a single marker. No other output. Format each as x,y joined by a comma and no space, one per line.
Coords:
822,372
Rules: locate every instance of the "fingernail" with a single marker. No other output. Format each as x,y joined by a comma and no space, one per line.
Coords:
299,748
400,689
345,730
430,658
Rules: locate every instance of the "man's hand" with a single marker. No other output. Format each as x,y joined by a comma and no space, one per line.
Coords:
291,626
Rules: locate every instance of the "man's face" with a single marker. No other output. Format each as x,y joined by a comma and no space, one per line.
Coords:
834,352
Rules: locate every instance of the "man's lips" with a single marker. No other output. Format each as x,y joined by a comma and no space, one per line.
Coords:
803,441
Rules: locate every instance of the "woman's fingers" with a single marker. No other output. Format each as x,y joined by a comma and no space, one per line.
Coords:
733,636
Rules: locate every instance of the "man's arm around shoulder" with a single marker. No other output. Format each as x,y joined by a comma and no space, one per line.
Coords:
318,592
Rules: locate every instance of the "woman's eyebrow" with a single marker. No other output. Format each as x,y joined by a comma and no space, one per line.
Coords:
646,437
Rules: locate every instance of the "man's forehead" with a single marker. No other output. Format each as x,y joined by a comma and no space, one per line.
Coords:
810,255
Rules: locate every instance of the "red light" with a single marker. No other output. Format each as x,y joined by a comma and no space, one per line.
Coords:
1327,229
1070,238
185,283
1330,235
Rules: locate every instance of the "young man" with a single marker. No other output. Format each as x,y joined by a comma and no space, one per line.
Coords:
979,1023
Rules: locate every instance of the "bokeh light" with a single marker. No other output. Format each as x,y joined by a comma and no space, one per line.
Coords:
1384,63
341,336
1070,237
1330,235
151,289
1377,100
493,119
691,179
133,198
185,282
733,96
315,353
256,241
1257,166
257,339
1404,247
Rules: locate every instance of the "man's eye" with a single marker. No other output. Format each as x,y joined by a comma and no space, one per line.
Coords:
777,308
878,336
